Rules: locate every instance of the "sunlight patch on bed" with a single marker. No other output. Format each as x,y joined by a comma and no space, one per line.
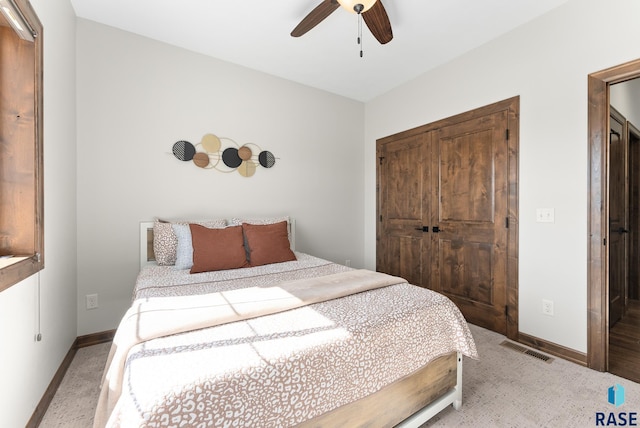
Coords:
286,346
149,387
224,360
301,319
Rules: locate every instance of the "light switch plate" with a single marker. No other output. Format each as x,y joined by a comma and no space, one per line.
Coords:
545,215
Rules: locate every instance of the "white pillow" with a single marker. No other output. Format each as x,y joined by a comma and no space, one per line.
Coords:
165,240
184,250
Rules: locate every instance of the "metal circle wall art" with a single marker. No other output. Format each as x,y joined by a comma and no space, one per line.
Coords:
224,155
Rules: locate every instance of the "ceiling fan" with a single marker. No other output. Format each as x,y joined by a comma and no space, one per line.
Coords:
372,11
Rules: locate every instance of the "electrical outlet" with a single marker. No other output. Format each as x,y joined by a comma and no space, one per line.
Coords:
547,307
92,301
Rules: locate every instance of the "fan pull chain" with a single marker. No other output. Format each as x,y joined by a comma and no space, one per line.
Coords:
360,33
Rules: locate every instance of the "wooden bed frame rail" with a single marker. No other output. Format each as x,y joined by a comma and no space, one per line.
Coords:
453,396
406,403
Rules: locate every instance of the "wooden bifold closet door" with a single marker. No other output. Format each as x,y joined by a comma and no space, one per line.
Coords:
444,211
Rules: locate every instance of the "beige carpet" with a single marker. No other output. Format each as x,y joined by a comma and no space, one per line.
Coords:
76,399
503,389
509,389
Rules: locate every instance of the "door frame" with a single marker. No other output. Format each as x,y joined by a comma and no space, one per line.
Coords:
598,210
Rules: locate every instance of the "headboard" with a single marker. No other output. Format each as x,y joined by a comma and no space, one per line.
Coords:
147,256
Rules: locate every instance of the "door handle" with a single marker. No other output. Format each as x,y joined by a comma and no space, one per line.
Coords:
435,229
423,228
622,230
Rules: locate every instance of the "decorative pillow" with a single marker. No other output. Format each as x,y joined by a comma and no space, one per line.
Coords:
165,241
267,243
268,220
217,249
184,248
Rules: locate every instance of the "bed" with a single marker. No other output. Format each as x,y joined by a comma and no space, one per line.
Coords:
301,342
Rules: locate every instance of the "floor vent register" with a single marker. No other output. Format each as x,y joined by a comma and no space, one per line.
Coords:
527,351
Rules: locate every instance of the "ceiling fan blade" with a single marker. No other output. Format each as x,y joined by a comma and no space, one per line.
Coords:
377,20
315,17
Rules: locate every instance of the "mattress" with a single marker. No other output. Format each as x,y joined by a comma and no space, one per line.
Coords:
282,368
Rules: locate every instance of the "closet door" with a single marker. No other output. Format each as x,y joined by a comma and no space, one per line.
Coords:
447,192
470,213
403,172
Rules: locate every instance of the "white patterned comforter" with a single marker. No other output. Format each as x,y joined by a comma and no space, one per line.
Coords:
282,369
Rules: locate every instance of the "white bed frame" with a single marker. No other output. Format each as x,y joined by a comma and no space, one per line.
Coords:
146,236
452,397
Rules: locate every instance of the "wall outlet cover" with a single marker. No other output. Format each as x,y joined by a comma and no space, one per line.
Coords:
92,301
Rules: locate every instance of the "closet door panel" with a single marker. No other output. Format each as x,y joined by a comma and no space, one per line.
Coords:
466,177
466,263
472,182
401,173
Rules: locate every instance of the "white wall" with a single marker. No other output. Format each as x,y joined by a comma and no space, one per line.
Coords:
137,97
546,62
27,366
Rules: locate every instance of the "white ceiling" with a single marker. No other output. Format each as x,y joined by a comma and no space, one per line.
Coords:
255,34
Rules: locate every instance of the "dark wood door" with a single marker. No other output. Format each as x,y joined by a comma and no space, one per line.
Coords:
471,218
618,217
402,180
445,192
633,138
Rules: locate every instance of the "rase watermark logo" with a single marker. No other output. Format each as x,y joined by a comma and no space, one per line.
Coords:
615,397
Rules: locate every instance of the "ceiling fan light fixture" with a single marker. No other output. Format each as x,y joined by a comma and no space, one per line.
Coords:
357,6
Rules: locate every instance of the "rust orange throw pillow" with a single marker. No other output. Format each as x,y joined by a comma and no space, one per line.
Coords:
217,249
268,243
